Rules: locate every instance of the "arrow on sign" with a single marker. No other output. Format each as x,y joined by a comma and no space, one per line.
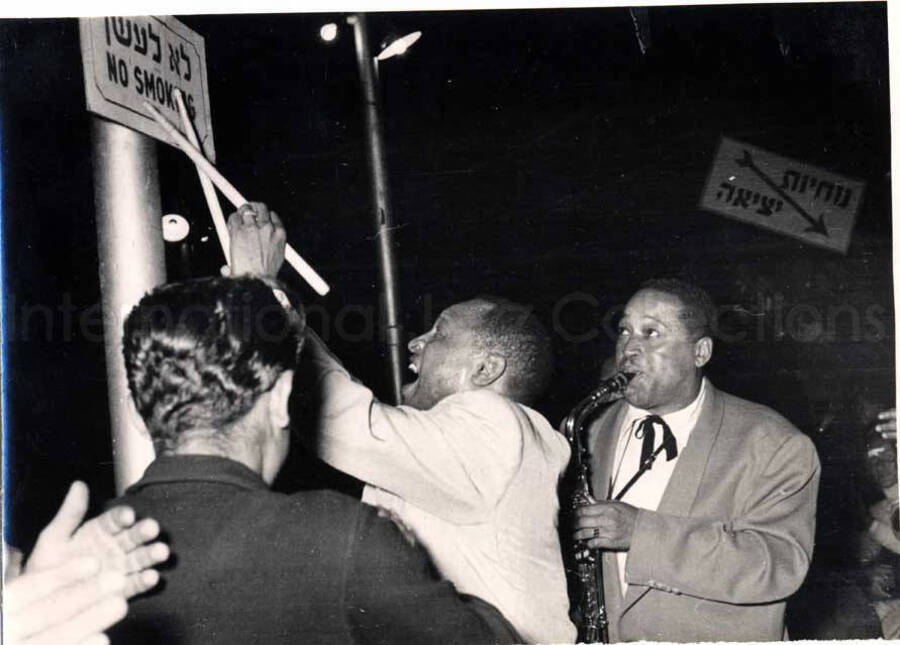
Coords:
814,226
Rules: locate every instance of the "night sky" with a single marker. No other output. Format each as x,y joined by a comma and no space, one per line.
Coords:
538,155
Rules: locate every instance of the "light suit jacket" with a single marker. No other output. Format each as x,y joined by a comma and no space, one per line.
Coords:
732,537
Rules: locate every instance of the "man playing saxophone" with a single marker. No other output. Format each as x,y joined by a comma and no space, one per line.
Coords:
709,542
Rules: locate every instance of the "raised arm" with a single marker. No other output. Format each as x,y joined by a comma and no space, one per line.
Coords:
454,460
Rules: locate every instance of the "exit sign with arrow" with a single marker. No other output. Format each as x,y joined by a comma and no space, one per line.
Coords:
758,187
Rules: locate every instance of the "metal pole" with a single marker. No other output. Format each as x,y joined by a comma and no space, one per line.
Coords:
384,235
132,261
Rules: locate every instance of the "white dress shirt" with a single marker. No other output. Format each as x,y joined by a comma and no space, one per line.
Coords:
647,492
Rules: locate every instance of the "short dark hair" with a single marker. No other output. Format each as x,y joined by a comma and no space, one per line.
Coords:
698,313
514,332
199,353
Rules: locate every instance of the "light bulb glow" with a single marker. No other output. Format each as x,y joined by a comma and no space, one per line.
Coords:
399,46
328,32
175,227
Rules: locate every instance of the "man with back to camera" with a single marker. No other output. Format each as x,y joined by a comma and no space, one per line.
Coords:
210,365
709,543
464,464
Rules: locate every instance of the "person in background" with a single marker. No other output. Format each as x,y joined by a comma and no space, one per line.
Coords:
887,428
880,549
75,582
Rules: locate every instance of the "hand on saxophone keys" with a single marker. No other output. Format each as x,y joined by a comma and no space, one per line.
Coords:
606,525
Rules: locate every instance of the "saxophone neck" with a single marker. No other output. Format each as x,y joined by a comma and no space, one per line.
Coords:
573,425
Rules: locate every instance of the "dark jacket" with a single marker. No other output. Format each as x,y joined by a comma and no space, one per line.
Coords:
253,566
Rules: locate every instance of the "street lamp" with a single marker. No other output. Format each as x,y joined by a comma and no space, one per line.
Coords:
175,227
394,46
384,234
328,32
399,46
175,230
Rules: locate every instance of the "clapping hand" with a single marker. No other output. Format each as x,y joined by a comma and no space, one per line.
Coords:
68,603
112,538
78,577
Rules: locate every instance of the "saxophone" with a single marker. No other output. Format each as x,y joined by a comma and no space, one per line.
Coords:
593,621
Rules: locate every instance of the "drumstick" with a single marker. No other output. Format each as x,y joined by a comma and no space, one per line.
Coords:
231,194
209,191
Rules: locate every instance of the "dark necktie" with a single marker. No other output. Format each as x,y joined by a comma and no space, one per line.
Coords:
647,432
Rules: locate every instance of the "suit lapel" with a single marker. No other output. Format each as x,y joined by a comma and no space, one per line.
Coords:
602,437
685,481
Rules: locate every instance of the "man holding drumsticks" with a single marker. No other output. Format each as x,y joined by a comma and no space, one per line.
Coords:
464,464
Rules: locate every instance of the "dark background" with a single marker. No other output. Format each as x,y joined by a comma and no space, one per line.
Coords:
538,155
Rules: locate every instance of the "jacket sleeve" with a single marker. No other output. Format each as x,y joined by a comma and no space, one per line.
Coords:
454,460
760,554
393,595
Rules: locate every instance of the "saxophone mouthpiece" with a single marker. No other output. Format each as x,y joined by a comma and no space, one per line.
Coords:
619,381
617,384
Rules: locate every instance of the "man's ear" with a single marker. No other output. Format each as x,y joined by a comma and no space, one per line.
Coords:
703,349
488,370
278,400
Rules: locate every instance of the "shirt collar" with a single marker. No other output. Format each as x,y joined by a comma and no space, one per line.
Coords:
680,421
199,468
